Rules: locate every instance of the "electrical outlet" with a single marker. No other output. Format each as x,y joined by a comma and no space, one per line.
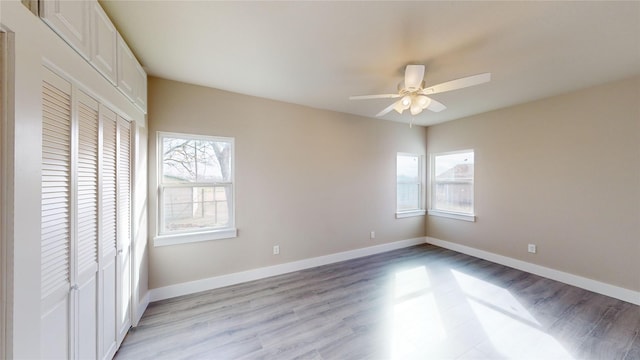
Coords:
372,235
532,248
276,249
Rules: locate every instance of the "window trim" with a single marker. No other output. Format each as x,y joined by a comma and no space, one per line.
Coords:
420,211
452,215
190,236
471,217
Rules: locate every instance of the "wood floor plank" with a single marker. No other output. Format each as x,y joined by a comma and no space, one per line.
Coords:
413,303
614,332
634,349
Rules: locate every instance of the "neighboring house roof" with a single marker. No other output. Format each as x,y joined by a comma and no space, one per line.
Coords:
458,172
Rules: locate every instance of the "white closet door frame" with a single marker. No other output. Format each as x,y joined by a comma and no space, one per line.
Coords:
6,84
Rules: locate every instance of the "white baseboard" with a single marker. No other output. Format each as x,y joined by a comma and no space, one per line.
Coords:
264,272
567,278
191,287
140,308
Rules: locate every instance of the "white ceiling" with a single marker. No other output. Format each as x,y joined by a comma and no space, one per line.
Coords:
318,53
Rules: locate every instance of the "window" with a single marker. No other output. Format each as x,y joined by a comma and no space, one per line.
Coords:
452,185
409,179
195,195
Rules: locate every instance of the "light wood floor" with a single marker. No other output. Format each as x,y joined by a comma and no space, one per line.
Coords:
422,302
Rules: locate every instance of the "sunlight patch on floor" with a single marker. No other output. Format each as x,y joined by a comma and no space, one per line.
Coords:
416,318
511,330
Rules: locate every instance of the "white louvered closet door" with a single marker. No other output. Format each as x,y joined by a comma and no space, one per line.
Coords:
124,228
87,227
108,248
56,275
86,224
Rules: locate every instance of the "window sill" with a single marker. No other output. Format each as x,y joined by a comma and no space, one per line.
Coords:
177,239
412,213
452,215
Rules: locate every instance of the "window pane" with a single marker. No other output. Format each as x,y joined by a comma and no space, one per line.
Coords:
195,208
408,197
453,183
409,182
195,160
456,197
454,166
408,169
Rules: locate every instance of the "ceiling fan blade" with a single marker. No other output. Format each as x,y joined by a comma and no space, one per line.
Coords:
413,76
458,84
436,106
379,96
387,109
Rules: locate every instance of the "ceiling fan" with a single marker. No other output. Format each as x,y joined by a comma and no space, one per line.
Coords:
413,94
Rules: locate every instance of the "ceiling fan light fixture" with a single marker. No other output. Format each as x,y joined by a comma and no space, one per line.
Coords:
416,109
423,101
406,102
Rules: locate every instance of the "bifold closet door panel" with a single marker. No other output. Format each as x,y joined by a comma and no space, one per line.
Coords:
87,226
109,235
55,245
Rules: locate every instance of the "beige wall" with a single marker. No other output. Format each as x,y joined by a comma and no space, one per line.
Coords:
314,182
563,173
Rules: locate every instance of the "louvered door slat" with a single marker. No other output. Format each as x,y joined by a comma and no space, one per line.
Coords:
55,214
53,191
54,170
53,88
54,108
56,136
54,160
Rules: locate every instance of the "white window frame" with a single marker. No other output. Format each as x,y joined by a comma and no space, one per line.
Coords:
189,236
420,211
432,183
